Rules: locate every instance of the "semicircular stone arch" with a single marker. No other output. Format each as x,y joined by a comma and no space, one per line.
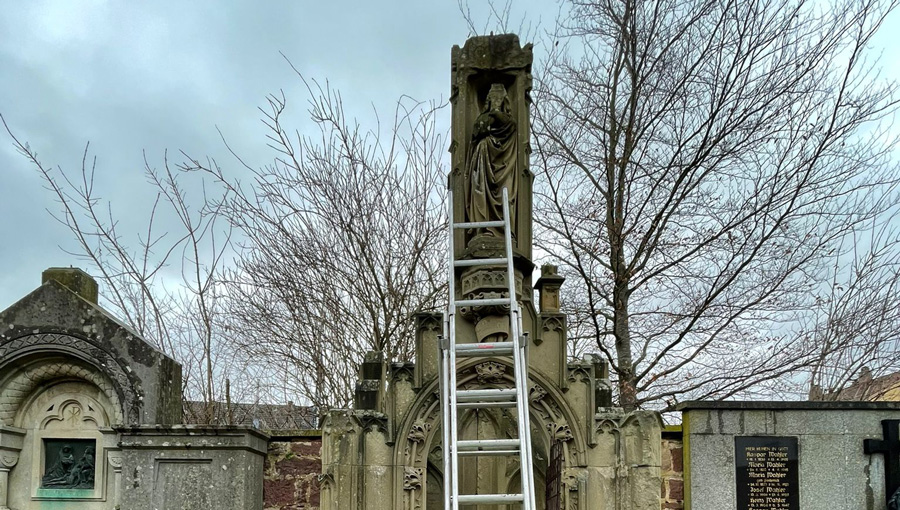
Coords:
30,361
419,435
18,389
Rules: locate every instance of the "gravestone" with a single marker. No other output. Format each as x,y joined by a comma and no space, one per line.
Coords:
386,453
766,473
788,455
90,415
70,372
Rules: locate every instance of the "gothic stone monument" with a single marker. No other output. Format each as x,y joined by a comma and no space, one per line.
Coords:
386,453
90,414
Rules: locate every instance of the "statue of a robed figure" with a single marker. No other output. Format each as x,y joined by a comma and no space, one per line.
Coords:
491,163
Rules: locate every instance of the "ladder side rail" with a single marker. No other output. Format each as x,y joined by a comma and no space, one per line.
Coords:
520,371
444,368
526,416
451,347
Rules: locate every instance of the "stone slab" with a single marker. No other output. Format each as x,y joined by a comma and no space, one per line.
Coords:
834,472
189,466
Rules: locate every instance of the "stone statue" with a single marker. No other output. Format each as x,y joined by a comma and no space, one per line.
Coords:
491,165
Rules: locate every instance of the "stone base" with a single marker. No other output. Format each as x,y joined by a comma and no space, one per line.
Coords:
192,466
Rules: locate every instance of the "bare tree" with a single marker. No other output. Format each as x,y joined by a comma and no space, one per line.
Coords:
341,238
856,323
163,285
701,165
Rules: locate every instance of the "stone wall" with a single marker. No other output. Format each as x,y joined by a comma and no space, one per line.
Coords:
672,496
292,467
829,466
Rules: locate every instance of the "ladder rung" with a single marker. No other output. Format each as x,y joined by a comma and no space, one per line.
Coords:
481,262
490,453
486,405
489,395
489,499
480,224
484,302
485,349
487,445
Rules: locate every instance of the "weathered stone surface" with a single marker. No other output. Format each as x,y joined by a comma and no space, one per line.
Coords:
191,466
69,372
387,453
830,443
55,320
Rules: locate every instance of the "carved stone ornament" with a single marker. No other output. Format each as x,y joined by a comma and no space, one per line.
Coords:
560,432
412,478
370,421
536,394
571,486
126,389
491,164
326,480
115,460
419,431
9,459
490,372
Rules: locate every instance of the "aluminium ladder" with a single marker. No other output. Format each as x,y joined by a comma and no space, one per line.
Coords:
453,400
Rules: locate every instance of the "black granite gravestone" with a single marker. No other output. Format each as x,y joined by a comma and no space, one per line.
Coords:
767,473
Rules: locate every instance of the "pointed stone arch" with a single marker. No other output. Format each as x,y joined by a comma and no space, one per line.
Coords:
419,433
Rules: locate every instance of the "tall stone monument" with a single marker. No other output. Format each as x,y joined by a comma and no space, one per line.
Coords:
386,453
490,87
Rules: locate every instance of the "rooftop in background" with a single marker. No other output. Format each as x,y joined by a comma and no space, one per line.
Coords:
261,416
865,387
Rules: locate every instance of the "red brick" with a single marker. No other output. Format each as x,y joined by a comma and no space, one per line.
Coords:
279,492
676,489
298,466
307,448
678,459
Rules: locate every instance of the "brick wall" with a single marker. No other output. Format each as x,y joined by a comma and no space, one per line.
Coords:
672,470
292,467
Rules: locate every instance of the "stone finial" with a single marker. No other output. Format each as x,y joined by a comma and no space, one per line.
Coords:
75,280
548,286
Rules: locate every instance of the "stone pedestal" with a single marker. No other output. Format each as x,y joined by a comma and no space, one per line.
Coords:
192,466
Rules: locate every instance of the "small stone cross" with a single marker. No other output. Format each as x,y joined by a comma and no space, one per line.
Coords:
890,448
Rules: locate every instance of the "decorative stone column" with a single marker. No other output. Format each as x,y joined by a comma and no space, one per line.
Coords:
115,462
11,440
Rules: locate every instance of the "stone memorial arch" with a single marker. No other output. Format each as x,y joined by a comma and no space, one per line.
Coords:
386,452
69,374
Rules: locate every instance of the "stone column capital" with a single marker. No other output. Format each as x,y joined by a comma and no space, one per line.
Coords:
8,459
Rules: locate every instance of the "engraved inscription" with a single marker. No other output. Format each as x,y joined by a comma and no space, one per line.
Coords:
766,473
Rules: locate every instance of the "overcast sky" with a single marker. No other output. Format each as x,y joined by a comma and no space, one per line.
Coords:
147,76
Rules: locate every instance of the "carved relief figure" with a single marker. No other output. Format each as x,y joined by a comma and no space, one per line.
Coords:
66,473
491,165
58,474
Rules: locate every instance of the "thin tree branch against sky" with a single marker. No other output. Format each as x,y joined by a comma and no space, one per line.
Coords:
134,78
131,78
